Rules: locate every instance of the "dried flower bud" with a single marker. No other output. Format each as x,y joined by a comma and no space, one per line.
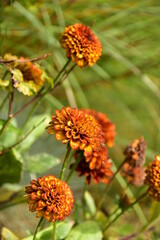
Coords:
133,169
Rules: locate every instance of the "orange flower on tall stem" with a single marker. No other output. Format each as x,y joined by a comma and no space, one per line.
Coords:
81,45
50,198
96,166
77,128
108,128
152,178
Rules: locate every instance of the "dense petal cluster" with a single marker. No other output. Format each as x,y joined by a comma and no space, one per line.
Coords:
50,198
133,168
108,128
77,128
81,45
96,166
152,178
30,75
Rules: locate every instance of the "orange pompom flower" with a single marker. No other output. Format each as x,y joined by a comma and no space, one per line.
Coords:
133,169
108,128
50,198
27,76
77,128
97,166
152,178
81,45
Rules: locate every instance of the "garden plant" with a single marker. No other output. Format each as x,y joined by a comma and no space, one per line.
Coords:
79,120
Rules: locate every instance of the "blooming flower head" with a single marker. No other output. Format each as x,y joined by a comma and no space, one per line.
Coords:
50,198
77,128
108,128
97,166
27,76
81,45
152,178
133,169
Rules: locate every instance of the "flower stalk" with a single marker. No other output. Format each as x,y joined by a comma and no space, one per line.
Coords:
37,228
108,186
125,209
54,231
73,169
64,166
22,139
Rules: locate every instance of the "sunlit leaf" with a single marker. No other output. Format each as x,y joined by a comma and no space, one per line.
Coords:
88,230
9,136
90,203
26,87
101,218
40,163
62,231
25,145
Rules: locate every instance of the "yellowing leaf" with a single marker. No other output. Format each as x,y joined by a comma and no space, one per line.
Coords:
26,87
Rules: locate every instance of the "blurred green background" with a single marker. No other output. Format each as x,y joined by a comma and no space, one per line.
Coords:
124,84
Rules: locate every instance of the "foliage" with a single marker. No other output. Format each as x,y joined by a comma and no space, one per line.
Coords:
124,84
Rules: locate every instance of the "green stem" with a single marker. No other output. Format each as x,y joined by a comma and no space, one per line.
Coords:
64,166
37,228
54,231
4,101
5,125
30,113
62,70
83,198
22,139
108,186
113,213
73,169
5,75
124,210
11,103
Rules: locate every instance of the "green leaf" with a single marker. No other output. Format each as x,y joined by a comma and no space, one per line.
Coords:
90,203
40,163
6,234
11,166
101,218
10,135
62,231
88,230
28,88
25,145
